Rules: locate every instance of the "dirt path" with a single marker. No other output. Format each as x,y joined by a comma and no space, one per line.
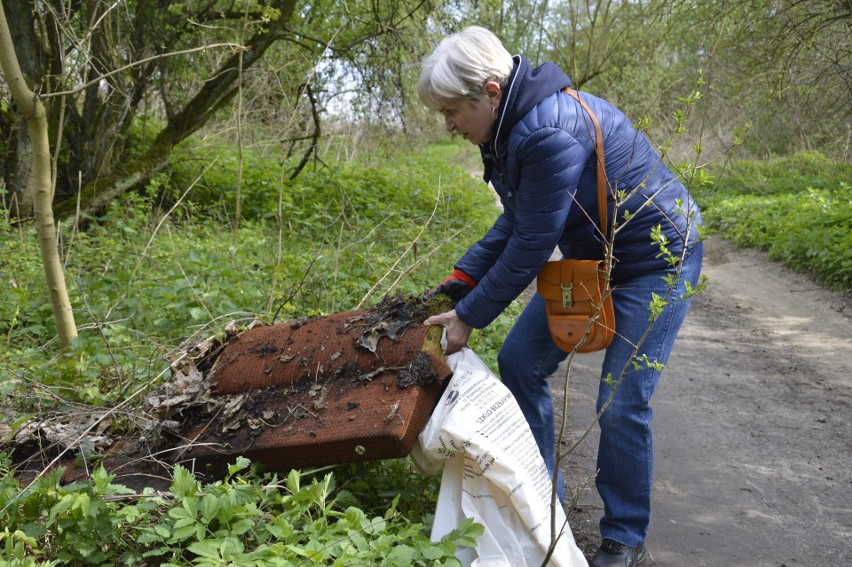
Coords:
753,425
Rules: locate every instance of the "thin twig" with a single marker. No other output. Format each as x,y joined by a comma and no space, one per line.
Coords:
298,287
99,326
401,256
167,215
97,80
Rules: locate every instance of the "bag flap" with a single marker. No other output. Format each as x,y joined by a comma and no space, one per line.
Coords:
586,275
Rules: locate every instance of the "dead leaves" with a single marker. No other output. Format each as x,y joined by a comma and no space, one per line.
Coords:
389,328
86,432
190,389
318,392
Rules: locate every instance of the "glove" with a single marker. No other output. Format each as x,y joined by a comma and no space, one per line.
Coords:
456,287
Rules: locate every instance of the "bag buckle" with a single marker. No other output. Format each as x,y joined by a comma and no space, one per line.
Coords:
567,296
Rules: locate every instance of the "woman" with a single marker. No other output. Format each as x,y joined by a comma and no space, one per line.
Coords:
539,156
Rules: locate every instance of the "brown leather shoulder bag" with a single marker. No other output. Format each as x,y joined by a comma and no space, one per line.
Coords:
577,295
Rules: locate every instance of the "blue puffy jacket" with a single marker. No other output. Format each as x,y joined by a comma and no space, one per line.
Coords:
541,162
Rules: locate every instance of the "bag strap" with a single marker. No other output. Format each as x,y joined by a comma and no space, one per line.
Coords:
599,152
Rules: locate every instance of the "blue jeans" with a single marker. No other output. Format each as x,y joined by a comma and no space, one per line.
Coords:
625,456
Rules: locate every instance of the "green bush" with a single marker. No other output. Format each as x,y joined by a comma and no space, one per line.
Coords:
785,175
245,519
798,209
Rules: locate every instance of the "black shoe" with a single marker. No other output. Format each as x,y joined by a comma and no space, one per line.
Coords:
613,554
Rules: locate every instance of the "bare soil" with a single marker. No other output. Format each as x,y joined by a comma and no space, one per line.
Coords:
752,426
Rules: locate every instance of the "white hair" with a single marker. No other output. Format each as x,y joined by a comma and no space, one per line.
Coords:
461,65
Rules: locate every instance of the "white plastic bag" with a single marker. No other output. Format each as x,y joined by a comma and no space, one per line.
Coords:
493,473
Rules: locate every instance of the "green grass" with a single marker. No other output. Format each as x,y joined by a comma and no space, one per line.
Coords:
798,209
345,237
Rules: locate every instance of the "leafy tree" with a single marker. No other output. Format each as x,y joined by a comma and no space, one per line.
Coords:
124,83
793,58
780,67
95,63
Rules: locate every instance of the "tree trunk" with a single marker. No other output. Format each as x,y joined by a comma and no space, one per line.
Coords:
20,200
40,184
18,166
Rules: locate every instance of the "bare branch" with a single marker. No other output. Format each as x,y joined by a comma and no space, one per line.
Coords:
96,80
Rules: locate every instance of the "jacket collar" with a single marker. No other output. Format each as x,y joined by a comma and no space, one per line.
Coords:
525,88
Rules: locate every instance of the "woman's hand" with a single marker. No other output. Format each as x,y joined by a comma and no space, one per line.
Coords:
458,332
